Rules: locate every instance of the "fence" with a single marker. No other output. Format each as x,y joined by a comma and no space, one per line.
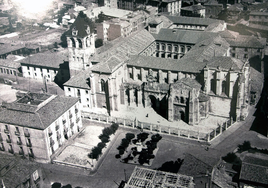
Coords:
163,129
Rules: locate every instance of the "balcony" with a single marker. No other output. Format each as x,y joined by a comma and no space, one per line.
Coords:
19,142
52,142
71,125
6,131
17,133
27,134
8,140
2,148
29,144
31,155
58,136
21,152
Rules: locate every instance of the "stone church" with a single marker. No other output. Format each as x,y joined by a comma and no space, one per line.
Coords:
202,80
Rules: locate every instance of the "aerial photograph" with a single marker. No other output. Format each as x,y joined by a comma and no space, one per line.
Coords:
133,94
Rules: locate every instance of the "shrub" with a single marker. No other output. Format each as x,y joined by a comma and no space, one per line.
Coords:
244,147
230,158
95,153
117,156
124,143
56,185
142,136
121,151
156,137
130,136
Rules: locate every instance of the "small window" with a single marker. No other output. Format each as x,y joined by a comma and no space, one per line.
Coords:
246,49
69,89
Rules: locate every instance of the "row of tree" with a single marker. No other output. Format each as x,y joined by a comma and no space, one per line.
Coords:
105,138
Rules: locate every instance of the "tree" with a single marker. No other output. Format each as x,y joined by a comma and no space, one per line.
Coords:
105,139
56,185
114,127
101,145
244,147
67,186
130,136
98,43
107,131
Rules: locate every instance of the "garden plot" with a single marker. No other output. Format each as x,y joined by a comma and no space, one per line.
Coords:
77,153
140,149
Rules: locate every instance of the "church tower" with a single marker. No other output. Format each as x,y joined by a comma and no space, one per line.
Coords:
81,43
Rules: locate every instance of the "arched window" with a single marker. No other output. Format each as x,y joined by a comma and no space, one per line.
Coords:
223,87
102,86
73,42
212,85
80,43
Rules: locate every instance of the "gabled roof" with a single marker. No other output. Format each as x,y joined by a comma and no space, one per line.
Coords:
36,115
245,41
225,63
118,52
165,64
193,8
79,80
183,36
46,59
192,166
189,82
192,20
81,24
7,48
15,168
255,169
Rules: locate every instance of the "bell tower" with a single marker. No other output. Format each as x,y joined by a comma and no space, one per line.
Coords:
81,43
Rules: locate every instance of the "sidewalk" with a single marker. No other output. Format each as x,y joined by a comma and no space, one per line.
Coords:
243,125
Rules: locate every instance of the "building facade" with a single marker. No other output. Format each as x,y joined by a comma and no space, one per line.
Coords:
36,125
46,66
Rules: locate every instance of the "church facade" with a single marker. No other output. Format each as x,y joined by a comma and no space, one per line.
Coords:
203,81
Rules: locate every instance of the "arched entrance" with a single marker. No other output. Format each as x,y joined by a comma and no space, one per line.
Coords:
182,115
153,102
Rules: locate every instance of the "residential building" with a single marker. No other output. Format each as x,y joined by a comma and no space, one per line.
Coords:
260,18
213,9
143,177
108,3
167,6
46,66
14,49
253,171
194,11
11,65
16,173
199,24
37,124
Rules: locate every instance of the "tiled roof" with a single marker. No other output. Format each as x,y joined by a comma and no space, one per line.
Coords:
206,50
254,169
18,169
183,36
225,63
81,24
192,20
193,166
9,63
258,13
7,48
119,52
165,64
79,80
46,59
192,83
257,80
193,8
245,41
36,116
228,34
